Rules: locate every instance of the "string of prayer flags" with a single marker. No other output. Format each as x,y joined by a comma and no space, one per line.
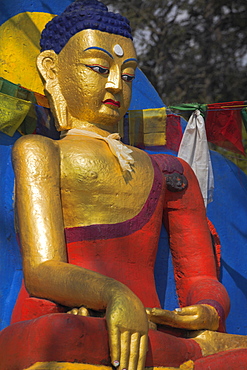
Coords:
28,112
223,122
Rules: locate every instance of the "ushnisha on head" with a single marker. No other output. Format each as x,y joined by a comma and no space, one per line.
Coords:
82,15
88,62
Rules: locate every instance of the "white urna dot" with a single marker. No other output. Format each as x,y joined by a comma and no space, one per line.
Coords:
118,50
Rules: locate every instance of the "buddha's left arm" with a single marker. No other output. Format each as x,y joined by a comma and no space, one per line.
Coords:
192,250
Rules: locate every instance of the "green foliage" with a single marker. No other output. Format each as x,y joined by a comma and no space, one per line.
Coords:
193,50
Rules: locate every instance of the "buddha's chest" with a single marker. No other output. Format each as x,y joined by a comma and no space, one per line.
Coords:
94,187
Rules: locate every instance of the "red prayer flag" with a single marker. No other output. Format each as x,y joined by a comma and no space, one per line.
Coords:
173,132
224,125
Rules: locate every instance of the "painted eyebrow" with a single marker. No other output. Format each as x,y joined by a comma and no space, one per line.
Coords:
130,60
97,48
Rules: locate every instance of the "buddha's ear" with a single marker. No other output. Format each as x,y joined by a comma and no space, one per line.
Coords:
47,63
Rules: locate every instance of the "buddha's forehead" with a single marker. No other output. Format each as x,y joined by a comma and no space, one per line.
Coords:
95,40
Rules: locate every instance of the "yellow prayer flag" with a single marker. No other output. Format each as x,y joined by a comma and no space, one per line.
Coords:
147,127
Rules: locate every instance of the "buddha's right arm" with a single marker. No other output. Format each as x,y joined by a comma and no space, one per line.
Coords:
36,162
47,274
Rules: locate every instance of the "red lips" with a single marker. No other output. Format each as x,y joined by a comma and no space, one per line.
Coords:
112,102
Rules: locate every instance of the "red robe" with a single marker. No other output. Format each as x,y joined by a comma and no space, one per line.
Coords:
126,252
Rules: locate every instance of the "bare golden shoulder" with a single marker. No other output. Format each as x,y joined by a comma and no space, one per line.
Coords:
34,141
34,145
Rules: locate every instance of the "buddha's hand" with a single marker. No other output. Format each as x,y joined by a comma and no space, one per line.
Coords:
196,317
128,330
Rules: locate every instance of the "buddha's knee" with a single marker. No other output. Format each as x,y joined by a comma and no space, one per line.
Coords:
56,337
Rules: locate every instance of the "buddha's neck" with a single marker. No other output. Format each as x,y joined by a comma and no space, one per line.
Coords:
102,130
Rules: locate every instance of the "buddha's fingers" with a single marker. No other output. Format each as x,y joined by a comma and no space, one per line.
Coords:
188,310
160,316
114,343
142,352
196,317
74,311
134,351
125,349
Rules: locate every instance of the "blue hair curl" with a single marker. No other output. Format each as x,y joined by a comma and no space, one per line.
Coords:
78,16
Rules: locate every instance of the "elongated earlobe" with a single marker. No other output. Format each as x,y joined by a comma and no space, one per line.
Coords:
47,62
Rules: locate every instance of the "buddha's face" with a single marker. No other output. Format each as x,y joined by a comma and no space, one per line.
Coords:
95,73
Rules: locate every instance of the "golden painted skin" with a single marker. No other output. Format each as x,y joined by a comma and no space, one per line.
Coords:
75,181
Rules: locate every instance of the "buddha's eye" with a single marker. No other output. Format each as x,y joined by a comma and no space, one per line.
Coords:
128,77
98,68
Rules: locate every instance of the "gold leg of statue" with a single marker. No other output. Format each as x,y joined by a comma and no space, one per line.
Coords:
212,342
188,365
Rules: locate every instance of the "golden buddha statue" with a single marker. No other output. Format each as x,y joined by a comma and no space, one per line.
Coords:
89,216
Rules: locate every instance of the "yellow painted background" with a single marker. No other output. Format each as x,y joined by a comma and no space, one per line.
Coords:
19,48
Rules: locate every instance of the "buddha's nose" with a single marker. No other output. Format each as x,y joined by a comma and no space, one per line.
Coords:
114,82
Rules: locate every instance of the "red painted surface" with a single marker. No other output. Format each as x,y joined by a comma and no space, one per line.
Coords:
228,360
63,337
28,308
191,247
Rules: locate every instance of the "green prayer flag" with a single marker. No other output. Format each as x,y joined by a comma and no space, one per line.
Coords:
12,113
191,107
